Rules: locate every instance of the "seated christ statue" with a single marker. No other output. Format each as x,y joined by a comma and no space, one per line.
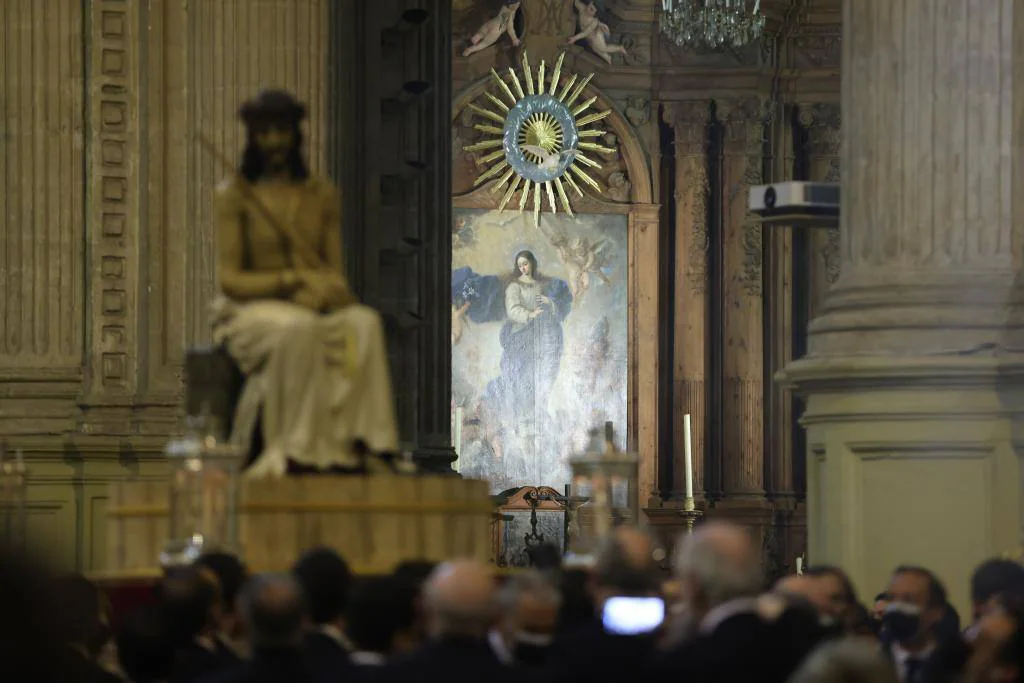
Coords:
313,357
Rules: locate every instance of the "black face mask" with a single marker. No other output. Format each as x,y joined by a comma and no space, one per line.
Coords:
901,623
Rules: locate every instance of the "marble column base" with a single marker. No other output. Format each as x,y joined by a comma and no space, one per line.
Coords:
912,460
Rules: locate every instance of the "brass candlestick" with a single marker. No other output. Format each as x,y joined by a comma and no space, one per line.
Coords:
690,514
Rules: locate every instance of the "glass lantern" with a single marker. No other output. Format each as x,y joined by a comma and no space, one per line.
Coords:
203,495
13,490
606,479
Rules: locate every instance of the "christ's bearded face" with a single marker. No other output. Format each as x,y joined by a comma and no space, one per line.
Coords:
525,267
275,142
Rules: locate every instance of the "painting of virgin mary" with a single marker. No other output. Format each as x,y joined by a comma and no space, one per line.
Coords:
521,339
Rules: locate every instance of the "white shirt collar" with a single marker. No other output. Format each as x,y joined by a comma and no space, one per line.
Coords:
900,655
362,658
337,635
500,649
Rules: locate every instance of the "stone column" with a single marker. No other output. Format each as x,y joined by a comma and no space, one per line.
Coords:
913,375
743,362
690,122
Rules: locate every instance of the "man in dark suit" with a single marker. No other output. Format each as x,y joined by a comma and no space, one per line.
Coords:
86,626
625,567
529,604
143,650
325,579
459,602
190,602
727,630
379,610
909,626
273,611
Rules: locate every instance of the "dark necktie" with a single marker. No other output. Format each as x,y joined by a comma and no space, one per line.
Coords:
912,670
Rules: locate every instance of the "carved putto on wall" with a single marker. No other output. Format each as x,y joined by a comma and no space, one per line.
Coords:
492,29
542,137
595,31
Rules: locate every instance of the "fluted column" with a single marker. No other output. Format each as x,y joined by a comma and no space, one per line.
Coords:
915,399
824,135
690,120
927,214
743,362
42,226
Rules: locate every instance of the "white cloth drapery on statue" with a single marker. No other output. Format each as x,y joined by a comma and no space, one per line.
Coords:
321,380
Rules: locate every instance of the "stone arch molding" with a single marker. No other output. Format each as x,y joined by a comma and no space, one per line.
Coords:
636,160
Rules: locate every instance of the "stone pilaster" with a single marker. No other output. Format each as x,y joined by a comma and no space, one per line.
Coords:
42,226
690,121
743,124
913,376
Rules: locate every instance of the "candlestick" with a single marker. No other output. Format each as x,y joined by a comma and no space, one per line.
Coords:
688,452
457,438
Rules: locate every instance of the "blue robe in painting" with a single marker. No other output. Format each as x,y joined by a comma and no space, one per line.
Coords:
531,352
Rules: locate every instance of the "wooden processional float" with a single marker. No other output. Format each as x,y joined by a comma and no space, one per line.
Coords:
207,503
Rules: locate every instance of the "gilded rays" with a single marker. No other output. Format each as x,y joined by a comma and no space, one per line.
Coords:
539,140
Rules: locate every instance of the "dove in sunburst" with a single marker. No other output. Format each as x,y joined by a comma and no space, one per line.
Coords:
547,161
538,137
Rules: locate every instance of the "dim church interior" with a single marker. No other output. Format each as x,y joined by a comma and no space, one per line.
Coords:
907,440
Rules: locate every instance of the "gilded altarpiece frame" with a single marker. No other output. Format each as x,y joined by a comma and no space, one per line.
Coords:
642,258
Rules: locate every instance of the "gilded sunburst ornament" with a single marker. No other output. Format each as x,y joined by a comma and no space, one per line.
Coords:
541,137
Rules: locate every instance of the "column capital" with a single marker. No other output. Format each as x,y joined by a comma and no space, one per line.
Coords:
744,120
689,119
823,123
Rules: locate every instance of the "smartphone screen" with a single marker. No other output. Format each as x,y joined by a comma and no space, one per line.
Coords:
626,616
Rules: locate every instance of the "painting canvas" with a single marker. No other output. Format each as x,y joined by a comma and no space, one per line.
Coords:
539,341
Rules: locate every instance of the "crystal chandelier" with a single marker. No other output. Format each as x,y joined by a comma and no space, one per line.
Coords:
712,24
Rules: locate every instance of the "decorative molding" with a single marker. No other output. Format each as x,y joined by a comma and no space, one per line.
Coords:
638,111
114,198
689,119
744,123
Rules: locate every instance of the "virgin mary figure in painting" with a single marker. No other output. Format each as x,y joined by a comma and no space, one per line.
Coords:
513,407
531,338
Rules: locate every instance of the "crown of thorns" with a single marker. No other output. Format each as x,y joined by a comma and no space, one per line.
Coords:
272,105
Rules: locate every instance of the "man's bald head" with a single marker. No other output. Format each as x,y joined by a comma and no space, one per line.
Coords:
274,611
718,563
460,598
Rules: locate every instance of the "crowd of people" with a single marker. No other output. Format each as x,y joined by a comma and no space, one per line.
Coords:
621,618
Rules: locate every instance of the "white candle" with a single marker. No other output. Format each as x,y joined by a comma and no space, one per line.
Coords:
688,450
457,438
800,565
